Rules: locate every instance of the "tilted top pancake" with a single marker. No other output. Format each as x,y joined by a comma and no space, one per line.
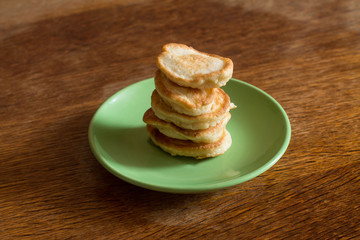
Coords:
191,68
189,148
190,101
219,109
211,134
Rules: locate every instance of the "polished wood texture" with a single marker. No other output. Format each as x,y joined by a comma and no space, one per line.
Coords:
61,59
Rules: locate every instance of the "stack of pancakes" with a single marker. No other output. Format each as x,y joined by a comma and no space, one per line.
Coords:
189,111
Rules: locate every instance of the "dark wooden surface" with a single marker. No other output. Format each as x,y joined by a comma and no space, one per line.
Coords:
60,60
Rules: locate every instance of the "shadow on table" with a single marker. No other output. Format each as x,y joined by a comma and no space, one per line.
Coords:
78,184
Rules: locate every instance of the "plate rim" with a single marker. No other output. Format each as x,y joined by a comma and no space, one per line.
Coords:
198,188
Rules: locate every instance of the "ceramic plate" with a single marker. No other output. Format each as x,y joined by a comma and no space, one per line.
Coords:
259,127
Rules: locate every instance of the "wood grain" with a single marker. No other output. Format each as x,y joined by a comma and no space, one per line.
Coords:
59,62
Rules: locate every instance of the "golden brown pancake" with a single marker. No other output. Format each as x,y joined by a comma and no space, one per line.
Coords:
186,100
218,111
191,68
189,148
208,135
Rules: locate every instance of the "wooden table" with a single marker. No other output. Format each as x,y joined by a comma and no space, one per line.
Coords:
61,60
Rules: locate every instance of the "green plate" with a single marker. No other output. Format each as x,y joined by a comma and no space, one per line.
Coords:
259,127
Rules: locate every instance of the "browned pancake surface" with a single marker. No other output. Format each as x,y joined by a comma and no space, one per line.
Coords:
188,97
187,147
210,134
163,111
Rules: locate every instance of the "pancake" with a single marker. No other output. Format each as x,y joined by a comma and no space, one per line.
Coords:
219,110
189,101
189,148
208,135
191,68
